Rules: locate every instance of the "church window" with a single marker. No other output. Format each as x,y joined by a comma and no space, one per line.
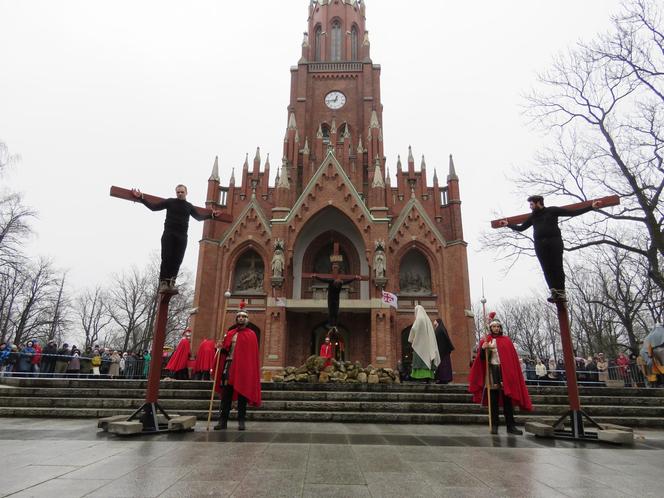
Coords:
414,275
317,43
249,272
353,43
336,44
326,133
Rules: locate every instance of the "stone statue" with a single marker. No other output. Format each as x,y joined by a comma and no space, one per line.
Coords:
379,260
278,260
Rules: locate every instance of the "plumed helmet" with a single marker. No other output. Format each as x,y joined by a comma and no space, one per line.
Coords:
242,311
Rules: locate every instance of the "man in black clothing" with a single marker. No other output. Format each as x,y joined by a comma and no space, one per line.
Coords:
334,286
174,238
548,240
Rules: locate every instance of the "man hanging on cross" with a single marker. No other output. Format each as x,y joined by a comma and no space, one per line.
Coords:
548,239
174,238
335,283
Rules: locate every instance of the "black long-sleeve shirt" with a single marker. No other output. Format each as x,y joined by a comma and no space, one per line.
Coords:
545,221
177,213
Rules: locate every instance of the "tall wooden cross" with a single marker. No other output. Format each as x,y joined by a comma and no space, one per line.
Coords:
126,194
575,413
336,257
147,414
611,200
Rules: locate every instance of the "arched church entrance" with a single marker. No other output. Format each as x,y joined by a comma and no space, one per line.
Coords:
340,340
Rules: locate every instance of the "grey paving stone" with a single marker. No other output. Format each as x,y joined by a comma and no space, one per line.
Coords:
31,476
335,491
396,484
261,482
188,489
337,473
62,488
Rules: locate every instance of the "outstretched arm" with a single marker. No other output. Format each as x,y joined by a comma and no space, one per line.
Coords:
322,279
560,211
152,206
517,228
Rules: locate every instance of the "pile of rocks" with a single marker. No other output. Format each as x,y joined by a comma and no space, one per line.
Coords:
314,371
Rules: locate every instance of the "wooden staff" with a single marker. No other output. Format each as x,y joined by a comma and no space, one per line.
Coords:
217,355
486,360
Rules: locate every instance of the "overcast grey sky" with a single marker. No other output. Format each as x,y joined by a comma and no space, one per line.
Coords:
146,93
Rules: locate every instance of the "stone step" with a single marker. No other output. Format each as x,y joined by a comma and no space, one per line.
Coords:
319,406
442,397
307,416
355,388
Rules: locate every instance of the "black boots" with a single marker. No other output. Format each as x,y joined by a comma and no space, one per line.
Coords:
240,425
222,425
513,429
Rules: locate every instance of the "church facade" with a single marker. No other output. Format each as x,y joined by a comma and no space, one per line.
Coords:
333,200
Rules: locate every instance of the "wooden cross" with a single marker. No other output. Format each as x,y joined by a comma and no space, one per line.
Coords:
575,413
124,193
335,258
611,200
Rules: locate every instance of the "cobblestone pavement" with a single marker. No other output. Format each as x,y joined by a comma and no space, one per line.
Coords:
70,458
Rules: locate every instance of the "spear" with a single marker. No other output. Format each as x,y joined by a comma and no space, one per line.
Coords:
486,359
217,357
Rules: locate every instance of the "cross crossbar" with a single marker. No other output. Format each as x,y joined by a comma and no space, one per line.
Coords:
611,200
124,193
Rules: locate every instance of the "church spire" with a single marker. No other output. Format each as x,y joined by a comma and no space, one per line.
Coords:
452,173
214,176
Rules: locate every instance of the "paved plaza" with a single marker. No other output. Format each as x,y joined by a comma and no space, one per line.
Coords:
70,458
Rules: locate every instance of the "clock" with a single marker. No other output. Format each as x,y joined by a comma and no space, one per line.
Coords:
335,100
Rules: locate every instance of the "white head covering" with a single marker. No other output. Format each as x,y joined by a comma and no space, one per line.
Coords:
423,338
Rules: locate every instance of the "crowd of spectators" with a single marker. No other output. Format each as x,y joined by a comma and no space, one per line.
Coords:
32,360
594,370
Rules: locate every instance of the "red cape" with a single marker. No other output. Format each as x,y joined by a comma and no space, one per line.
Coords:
180,357
205,356
326,351
244,373
513,383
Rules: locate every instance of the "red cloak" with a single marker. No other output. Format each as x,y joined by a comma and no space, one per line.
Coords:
180,356
244,374
327,351
205,356
514,385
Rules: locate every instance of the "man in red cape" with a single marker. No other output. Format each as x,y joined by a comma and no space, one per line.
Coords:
180,357
327,352
508,388
238,375
205,360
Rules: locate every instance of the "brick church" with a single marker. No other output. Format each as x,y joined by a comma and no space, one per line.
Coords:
333,200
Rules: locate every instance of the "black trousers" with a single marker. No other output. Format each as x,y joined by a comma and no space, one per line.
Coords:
508,408
550,255
227,401
173,246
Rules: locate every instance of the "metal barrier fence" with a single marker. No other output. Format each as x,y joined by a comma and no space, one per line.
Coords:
615,376
60,366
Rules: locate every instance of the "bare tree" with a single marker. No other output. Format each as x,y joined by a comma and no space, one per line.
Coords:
604,102
130,300
93,314
33,318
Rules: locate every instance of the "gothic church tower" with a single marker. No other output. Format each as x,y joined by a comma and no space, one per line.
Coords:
333,199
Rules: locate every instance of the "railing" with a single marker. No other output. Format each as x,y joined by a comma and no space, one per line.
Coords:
630,376
335,67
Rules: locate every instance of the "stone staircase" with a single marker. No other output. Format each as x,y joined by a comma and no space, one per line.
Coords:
374,403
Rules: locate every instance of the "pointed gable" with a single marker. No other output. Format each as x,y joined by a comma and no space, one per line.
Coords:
251,224
414,223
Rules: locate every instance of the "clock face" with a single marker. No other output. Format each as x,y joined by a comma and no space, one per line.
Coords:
335,100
